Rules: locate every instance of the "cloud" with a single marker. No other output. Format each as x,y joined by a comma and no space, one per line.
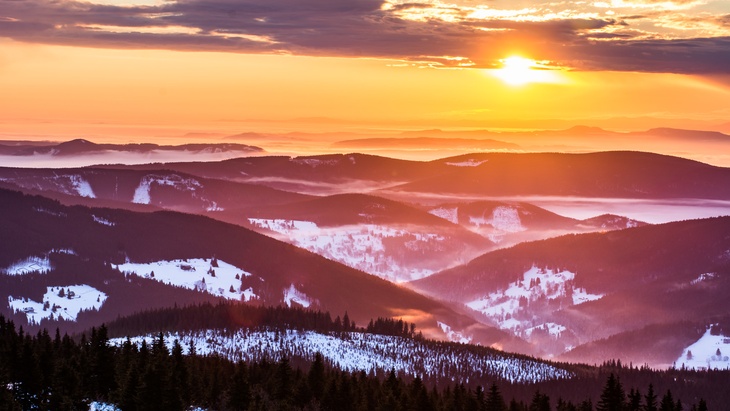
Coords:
430,33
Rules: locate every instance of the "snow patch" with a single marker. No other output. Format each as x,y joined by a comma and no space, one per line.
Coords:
703,277
358,246
61,302
580,296
81,186
506,306
503,220
452,335
214,207
142,192
195,274
549,327
361,352
35,264
291,294
103,221
284,226
102,406
448,214
315,162
29,265
468,163
50,212
709,352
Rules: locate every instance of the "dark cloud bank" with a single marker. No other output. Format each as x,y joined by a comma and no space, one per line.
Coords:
352,28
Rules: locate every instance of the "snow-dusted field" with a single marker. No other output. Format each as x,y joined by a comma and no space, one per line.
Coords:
503,306
195,274
357,246
59,302
367,352
709,352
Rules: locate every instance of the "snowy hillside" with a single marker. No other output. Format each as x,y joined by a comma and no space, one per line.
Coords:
61,302
509,308
709,352
209,275
364,246
367,352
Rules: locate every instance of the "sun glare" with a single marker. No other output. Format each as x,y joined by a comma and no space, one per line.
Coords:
518,71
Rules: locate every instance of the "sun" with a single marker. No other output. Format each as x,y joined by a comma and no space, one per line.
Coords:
519,71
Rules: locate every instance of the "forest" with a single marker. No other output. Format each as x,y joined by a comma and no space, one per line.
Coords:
50,371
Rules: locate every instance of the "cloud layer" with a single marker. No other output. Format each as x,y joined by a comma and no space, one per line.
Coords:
678,36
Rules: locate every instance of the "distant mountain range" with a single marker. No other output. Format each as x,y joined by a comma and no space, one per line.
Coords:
606,174
81,147
426,142
620,174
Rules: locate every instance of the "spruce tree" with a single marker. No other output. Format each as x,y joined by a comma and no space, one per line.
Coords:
650,400
634,401
667,402
239,392
540,402
316,377
612,397
494,400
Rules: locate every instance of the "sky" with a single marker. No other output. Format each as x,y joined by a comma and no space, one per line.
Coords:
176,70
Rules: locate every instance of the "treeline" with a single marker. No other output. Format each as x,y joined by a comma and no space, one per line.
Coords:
233,316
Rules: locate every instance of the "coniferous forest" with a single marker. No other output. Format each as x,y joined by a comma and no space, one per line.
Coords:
50,371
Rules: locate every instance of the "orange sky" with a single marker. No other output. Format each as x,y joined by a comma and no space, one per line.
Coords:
151,70
224,92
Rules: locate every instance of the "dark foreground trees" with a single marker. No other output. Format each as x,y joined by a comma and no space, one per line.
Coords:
59,373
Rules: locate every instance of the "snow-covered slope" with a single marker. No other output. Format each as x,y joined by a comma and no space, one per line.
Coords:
709,352
363,246
367,352
29,265
60,302
34,264
209,275
509,307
